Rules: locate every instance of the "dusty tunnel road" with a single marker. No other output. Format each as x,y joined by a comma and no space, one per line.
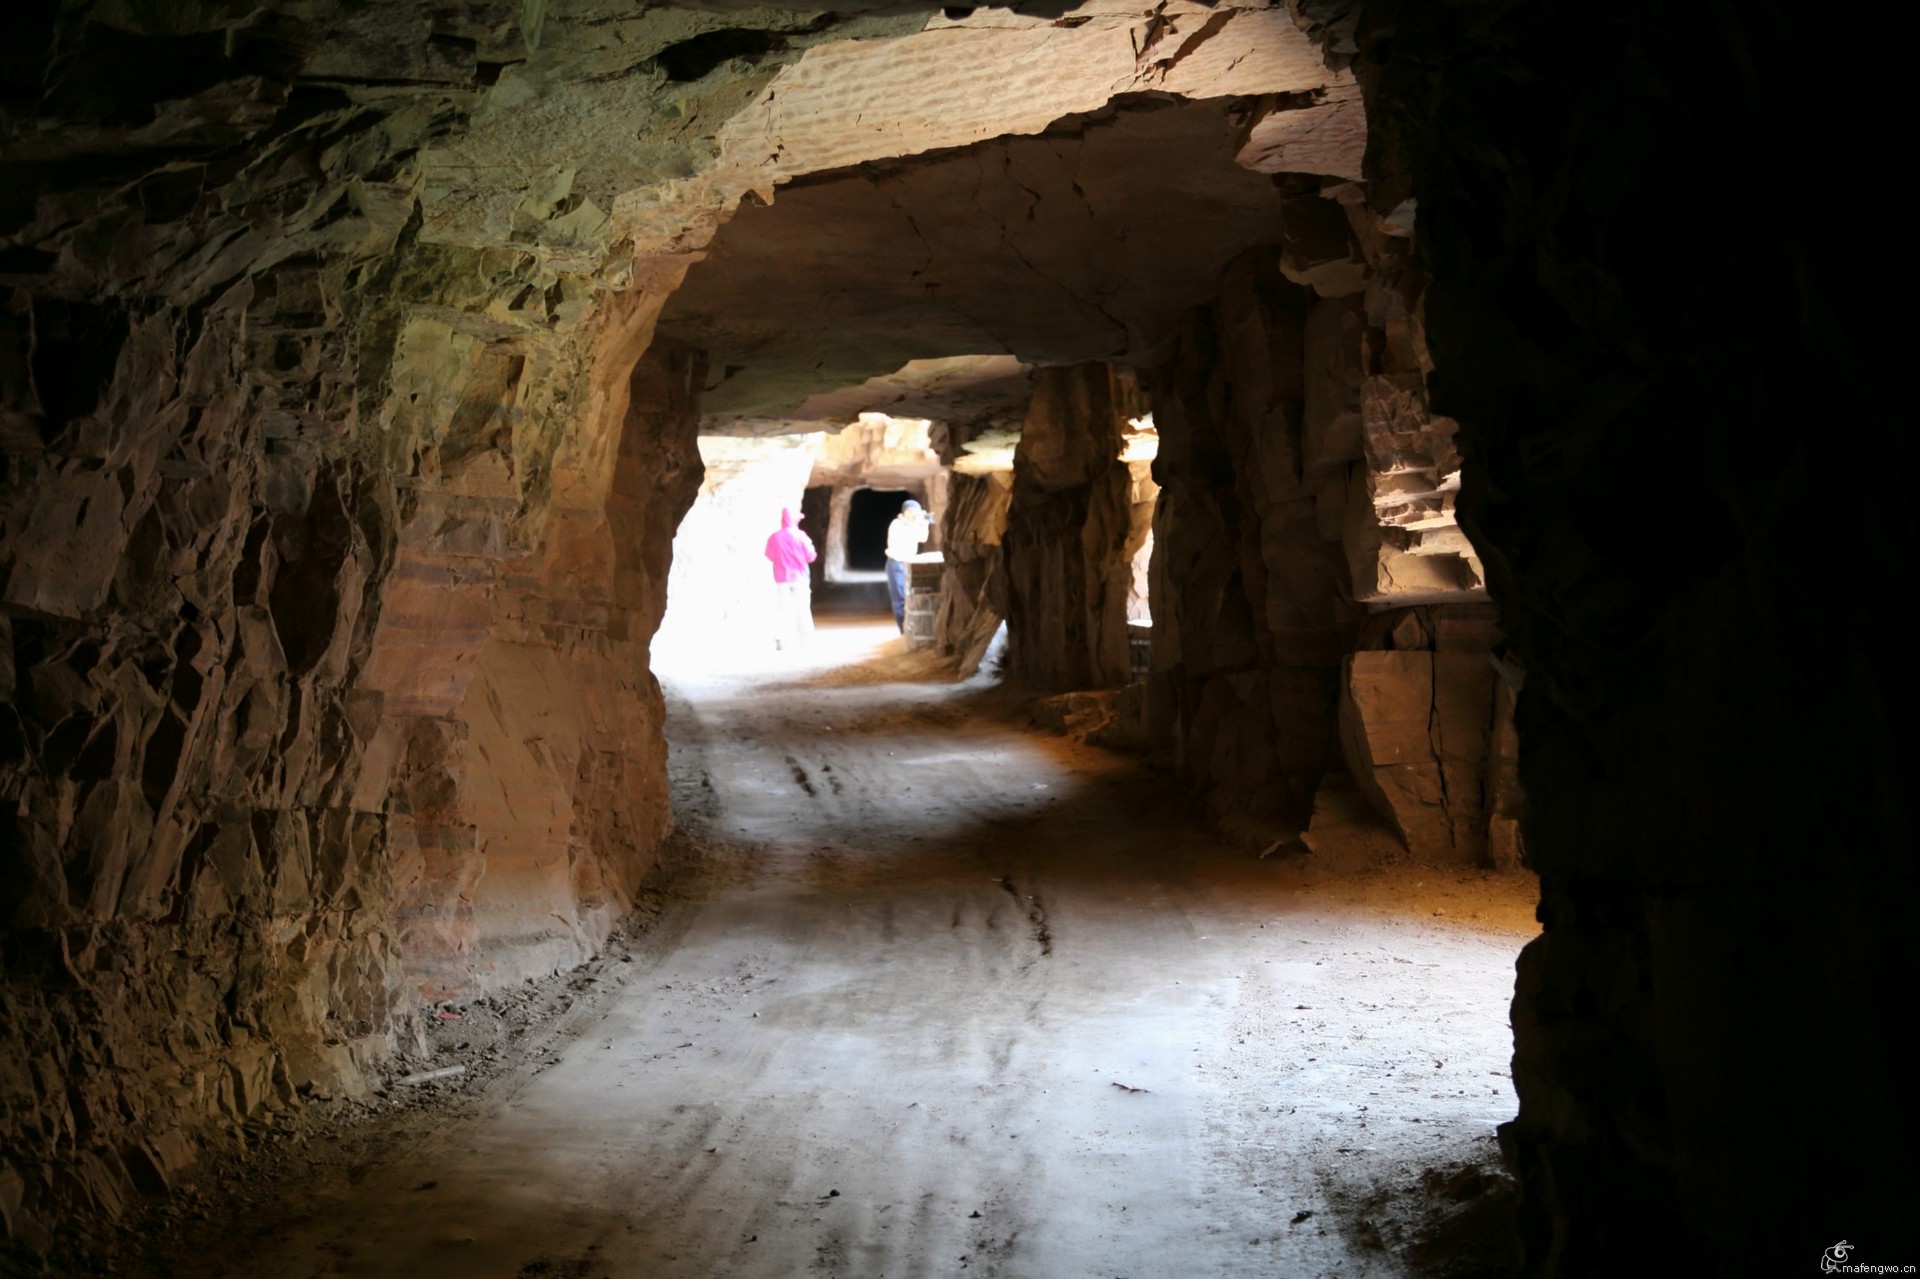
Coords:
974,1000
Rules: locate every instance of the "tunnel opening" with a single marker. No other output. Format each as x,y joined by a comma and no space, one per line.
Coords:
869,513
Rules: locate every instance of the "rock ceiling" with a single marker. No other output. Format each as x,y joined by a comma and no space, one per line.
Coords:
1082,243
963,165
649,125
967,393
599,140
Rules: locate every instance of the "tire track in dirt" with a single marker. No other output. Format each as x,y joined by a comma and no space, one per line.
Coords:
992,989
1036,912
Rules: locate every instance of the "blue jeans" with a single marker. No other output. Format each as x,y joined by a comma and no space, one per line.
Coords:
897,591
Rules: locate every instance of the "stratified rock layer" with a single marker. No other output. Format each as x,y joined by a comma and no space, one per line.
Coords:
330,558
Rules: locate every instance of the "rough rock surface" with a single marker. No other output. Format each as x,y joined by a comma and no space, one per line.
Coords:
326,683
973,590
1307,485
531,762
1705,1033
1252,612
1034,246
1414,729
1076,517
849,102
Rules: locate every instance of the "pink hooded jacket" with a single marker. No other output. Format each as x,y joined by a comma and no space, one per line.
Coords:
790,550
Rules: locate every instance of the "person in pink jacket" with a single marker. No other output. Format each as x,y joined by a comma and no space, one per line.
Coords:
791,551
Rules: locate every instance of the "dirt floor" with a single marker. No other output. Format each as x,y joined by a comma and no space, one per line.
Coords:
927,992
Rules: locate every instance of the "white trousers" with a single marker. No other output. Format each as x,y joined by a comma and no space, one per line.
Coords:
792,613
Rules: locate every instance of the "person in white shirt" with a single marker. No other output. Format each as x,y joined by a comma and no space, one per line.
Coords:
904,537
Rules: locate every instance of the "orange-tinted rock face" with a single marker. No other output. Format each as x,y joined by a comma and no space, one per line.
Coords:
329,564
535,744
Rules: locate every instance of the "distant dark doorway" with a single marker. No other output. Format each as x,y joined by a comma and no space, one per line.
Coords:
816,513
867,518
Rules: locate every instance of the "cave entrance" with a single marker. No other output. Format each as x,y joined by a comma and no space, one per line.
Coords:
869,513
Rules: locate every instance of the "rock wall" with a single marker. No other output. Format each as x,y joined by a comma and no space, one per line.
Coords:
1252,606
1707,1029
973,589
1307,536
1073,525
196,907
524,764
1426,733
330,557
321,737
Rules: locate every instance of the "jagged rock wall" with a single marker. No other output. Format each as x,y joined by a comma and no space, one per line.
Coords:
973,599
1309,488
1072,526
197,910
330,558
1707,1031
1426,735
1251,605
341,735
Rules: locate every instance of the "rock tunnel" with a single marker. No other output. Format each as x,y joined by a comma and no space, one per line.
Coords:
1435,384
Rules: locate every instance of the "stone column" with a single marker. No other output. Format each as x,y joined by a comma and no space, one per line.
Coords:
973,599
1068,526
1251,601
